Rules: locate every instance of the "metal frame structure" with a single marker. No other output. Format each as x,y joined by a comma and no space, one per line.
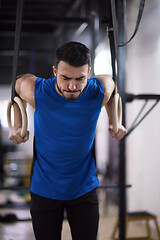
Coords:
122,145
121,6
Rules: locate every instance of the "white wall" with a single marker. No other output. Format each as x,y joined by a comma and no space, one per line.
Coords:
142,76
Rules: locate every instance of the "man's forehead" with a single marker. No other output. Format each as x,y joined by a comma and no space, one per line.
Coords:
65,66
66,69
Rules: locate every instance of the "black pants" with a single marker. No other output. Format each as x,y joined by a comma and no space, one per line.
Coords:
82,213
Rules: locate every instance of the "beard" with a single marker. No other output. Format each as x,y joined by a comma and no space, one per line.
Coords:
71,95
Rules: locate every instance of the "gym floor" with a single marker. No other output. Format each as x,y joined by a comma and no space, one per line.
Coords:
108,216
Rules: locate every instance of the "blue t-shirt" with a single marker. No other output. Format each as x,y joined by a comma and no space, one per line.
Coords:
64,134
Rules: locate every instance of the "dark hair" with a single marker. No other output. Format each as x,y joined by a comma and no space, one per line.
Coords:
74,53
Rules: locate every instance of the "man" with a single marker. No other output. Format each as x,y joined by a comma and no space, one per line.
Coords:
67,108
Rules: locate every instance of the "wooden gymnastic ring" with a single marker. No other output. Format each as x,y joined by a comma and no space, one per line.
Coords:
19,102
117,112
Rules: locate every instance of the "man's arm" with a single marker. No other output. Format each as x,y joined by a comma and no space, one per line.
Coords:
108,86
25,85
121,129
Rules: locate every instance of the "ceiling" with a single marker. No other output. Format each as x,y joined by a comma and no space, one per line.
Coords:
46,24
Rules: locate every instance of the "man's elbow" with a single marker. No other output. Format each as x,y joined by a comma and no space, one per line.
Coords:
109,87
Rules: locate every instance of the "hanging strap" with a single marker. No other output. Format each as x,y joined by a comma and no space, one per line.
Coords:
113,43
116,102
16,46
14,96
112,34
141,8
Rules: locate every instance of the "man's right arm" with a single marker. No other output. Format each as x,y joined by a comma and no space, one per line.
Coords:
25,85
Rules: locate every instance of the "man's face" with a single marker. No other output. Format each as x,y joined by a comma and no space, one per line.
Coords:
71,81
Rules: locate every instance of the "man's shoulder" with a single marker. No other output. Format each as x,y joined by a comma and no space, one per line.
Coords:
43,80
95,83
44,84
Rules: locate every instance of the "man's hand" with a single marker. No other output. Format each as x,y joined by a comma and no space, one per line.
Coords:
121,132
14,135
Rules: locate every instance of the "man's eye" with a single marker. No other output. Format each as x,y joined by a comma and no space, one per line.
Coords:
80,79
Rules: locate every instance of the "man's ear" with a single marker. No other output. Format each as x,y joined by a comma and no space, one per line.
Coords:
89,72
54,71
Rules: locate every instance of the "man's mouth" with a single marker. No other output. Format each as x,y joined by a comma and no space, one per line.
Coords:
70,91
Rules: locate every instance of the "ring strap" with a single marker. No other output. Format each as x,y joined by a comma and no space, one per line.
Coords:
16,46
14,96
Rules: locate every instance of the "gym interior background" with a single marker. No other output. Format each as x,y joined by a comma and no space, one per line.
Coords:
46,25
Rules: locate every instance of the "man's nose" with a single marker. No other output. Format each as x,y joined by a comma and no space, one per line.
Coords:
72,86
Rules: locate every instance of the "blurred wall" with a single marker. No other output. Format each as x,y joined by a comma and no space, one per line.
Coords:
142,76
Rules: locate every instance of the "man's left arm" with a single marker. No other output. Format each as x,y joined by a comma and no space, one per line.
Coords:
108,86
